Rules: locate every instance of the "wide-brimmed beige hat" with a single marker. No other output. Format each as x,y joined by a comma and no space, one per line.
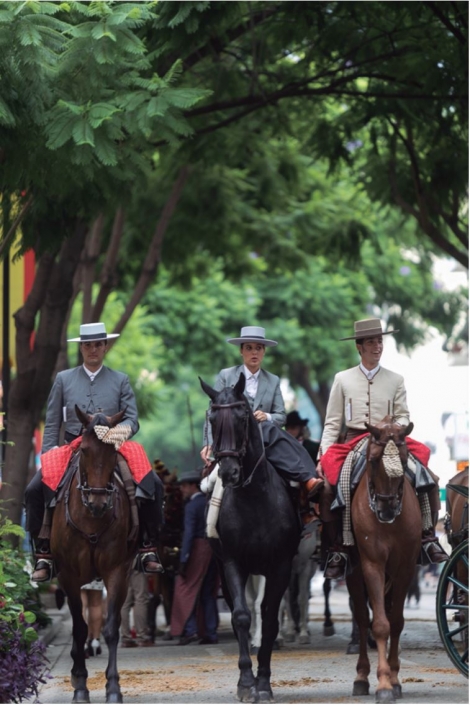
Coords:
252,334
368,328
92,331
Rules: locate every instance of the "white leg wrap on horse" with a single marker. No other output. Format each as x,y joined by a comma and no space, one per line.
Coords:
214,508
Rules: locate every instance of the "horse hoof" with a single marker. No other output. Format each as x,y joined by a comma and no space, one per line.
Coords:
81,696
360,688
397,690
265,696
328,631
352,648
289,637
247,695
114,698
304,639
385,695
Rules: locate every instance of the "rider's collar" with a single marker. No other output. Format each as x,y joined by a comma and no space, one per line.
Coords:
370,374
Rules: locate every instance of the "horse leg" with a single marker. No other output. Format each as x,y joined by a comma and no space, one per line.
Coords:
289,630
79,634
328,626
375,582
361,614
305,575
275,588
241,621
397,622
116,586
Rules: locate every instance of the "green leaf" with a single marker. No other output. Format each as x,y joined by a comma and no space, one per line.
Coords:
186,97
99,112
101,30
60,130
82,133
105,151
29,617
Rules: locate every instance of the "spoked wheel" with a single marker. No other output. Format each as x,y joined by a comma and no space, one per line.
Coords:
452,607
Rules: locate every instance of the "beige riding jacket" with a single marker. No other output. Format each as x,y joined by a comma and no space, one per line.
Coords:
355,400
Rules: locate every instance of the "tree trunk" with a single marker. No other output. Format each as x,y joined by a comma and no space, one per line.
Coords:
50,296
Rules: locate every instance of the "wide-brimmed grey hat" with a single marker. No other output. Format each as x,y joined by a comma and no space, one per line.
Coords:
92,331
368,328
193,476
252,334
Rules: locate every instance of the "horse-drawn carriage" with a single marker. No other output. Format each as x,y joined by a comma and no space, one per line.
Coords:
452,590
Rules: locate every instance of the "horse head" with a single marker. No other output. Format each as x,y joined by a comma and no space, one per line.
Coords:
387,456
97,461
229,418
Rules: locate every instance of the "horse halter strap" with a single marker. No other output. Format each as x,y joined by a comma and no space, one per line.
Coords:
372,494
224,436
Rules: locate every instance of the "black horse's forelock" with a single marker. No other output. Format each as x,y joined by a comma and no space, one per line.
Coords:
99,419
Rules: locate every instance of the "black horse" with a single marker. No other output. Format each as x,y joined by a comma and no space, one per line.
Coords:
258,526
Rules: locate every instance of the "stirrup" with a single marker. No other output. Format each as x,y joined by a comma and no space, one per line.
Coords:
432,552
43,564
150,557
336,564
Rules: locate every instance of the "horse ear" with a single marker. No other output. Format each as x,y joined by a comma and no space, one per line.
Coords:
117,418
373,430
409,428
208,389
84,418
239,388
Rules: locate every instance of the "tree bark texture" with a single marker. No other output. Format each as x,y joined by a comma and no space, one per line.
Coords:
36,360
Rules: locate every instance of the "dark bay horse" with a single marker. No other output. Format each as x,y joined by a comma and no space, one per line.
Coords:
258,526
89,539
386,521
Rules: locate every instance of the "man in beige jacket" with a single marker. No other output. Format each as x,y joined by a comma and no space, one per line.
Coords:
365,393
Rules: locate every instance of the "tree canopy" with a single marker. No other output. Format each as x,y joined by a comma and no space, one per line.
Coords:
278,146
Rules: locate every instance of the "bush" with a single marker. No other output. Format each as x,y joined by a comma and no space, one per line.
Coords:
23,660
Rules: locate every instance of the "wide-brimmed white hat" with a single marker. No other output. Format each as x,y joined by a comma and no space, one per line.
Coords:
252,334
368,328
92,331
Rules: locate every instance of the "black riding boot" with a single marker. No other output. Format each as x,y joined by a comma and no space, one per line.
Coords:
149,522
44,566
431,548
337,558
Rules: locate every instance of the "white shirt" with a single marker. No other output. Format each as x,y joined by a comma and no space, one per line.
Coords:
251,386
370,374
91,374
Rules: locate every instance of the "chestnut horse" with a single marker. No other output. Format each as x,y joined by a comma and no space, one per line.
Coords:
386,521
258,526
89,539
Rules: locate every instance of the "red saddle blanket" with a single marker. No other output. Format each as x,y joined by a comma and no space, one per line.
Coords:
333,460
55,461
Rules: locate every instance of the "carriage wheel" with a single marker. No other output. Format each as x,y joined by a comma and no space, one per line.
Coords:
452,607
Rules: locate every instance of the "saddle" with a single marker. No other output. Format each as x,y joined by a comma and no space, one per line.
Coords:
415,471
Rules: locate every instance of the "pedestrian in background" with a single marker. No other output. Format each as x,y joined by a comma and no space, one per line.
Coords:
194,614
137,601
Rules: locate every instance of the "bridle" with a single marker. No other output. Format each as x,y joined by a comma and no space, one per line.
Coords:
224,444
85,492
224,436
375,497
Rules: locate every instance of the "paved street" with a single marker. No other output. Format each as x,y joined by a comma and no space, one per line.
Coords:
317,673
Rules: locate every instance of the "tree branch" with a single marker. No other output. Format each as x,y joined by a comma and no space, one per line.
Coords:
108,272
153,258
446,22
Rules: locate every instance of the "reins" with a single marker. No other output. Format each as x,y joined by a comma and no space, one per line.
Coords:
94,537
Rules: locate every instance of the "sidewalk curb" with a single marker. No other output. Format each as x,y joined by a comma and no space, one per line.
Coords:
48,634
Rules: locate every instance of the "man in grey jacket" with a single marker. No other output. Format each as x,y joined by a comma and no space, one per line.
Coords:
94,388
263,392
